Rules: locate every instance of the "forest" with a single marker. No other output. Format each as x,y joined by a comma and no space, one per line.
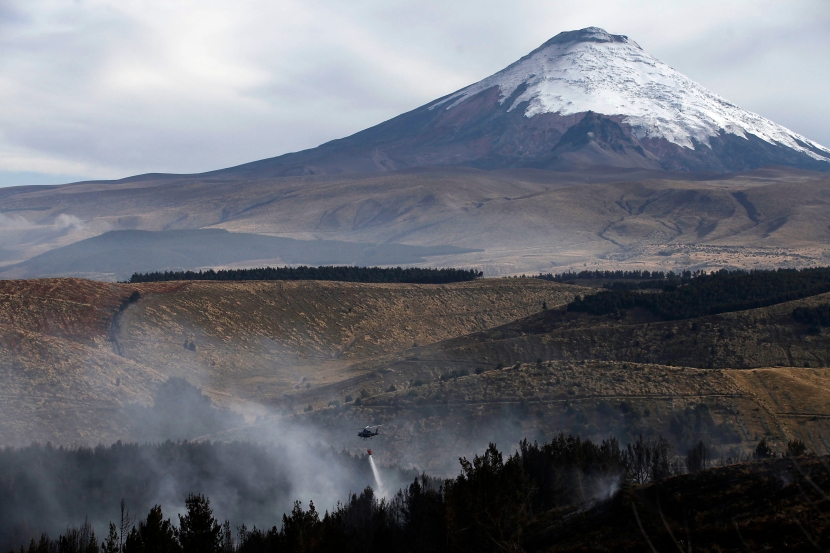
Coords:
484,508
42,487
813,316
412,275
571,276
710,294
494,504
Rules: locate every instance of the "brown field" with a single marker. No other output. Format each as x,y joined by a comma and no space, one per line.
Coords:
445,368
67,348
594,399
62,381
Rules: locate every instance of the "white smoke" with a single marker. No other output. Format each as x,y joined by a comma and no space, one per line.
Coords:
64,221
15,222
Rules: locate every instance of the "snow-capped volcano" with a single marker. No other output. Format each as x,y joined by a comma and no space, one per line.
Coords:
584,98
593,70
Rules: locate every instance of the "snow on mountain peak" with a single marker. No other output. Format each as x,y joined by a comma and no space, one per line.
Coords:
588,34
593,70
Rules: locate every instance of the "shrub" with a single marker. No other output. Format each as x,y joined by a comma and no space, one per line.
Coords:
796,448
453,374
763,450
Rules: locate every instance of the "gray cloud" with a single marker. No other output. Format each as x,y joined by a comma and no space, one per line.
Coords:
99,88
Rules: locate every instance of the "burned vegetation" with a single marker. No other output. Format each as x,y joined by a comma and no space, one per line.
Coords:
564,495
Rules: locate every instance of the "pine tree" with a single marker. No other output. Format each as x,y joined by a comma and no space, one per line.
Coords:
153,535
301,529
112,543
199,531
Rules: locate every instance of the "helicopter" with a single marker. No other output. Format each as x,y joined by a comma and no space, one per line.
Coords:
365,433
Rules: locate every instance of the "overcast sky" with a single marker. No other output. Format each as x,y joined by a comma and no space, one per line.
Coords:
112,88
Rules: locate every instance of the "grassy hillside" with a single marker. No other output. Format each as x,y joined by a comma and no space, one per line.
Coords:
72,350
62,380
445,368
762,337
430,425
263,340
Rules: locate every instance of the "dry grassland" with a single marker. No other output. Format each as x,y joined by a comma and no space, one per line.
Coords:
71,356
524,220
426,425
62,381
263,340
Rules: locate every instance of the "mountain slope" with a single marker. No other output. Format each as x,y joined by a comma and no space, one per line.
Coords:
120,253
525,220
585,97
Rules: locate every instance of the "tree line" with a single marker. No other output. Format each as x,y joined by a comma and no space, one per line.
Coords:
487,507
710,294
814,316
412,275
617,275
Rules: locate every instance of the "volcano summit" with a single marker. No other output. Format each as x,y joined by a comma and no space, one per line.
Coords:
584,98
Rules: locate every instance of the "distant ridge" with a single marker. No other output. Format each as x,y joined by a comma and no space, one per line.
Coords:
120,253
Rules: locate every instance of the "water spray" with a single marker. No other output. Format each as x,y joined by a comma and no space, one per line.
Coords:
381,492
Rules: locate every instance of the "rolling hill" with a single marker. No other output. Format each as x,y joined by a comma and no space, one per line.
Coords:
74,353
445,368
518,221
